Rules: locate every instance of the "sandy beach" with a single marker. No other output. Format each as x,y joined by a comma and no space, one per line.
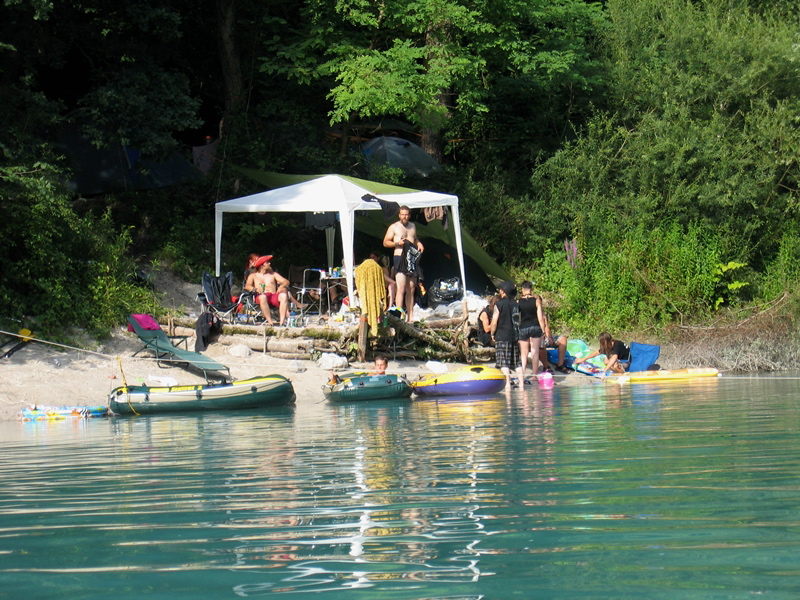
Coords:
49,375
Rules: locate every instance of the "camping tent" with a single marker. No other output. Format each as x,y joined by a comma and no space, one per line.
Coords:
401,154
344,195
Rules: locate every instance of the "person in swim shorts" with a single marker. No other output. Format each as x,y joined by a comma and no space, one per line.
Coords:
272,290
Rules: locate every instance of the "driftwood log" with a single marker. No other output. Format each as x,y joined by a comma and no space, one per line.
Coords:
442,339
411,331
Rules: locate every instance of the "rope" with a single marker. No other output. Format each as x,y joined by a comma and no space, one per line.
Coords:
125,383
118,358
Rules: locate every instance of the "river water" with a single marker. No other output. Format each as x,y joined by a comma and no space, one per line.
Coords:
685,490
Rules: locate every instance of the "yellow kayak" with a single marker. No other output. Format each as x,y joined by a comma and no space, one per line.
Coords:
666,375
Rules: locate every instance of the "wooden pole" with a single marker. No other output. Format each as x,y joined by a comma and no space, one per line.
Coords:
363,329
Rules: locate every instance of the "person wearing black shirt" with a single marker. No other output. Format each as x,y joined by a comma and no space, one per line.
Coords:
617,354
505,332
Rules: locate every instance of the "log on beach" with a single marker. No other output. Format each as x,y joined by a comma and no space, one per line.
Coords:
411,331
442,339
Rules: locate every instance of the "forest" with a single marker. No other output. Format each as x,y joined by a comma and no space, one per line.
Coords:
638,159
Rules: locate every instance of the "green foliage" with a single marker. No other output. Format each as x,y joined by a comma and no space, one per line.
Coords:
60,268
140,108
446,64
782,274
722,272
647,277
662,136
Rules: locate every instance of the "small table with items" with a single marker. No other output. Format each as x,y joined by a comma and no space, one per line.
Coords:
331,285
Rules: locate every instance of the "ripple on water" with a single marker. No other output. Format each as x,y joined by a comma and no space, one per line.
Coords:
592,491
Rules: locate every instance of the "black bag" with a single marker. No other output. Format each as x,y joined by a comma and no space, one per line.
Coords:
444,291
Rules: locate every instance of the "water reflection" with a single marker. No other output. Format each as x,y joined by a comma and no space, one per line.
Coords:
545,492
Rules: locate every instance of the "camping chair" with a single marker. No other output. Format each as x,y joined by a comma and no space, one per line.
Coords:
159,343
644,357
249,306
309,292
217,297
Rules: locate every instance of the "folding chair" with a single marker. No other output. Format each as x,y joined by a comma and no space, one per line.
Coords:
217,297
160,344
249,306
644,357
310,292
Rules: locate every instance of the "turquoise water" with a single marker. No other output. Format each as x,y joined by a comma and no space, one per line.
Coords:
642,491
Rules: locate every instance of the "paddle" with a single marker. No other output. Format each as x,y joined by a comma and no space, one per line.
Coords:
25,334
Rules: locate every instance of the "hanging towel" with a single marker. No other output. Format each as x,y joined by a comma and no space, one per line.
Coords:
371,292
433,213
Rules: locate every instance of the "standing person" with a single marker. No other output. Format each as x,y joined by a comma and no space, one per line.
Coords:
614,350
271,288
485,321
531,319
505,332
402,238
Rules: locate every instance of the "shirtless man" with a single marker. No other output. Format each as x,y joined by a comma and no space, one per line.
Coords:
395,238
272,290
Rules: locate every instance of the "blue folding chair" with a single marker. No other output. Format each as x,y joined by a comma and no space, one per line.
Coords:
644,357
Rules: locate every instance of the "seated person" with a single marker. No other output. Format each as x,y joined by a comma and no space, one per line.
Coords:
558,341
249,266
381,364
485,321
615,352
272,289
336,289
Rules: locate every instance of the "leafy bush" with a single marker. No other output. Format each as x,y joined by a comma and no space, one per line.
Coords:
60,268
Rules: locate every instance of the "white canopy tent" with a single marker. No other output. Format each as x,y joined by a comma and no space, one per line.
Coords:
334,193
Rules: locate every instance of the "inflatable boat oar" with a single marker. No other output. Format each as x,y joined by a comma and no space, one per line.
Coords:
25,334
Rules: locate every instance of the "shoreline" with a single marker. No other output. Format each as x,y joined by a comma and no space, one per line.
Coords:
49,375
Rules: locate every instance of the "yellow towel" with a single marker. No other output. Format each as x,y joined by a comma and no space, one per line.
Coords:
371,292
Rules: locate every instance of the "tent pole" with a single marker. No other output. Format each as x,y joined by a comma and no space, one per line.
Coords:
218,239
330,238
459,247
346,222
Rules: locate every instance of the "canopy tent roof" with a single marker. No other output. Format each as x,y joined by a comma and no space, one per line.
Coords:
333,193
373,224
327,193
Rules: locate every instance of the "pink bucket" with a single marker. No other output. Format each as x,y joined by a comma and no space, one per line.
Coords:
545,380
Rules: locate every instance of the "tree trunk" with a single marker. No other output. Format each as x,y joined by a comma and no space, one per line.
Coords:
229,59
431,140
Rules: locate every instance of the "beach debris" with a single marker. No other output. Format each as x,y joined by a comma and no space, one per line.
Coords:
332,361
240,351
296,366
436,367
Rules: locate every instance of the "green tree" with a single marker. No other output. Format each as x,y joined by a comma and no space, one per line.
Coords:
440,63
702,133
